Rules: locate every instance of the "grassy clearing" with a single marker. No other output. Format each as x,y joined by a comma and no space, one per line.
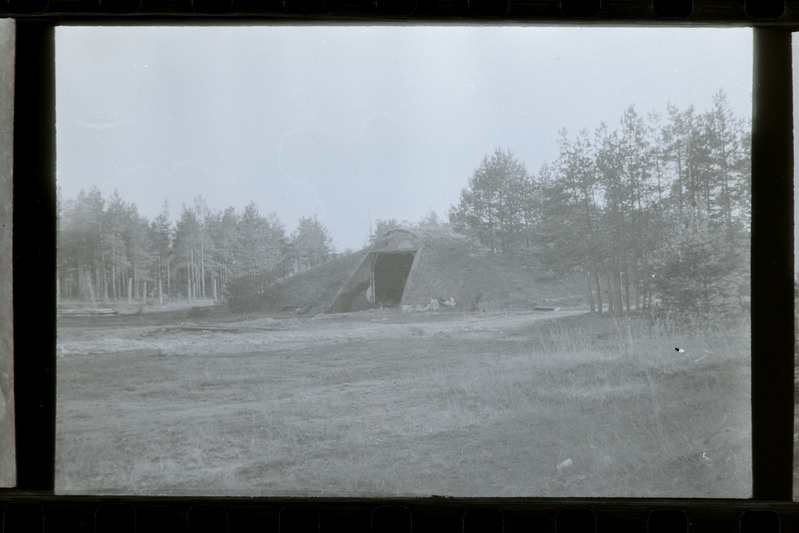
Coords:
448,412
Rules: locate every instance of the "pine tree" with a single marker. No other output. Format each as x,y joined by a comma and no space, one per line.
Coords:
492,207
161,240
310,244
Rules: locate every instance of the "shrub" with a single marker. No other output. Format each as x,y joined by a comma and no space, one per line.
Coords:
250,293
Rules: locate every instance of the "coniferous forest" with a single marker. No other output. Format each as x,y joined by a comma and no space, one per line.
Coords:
108,251
653,212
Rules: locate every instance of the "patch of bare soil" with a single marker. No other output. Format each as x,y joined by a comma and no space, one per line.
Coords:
177,334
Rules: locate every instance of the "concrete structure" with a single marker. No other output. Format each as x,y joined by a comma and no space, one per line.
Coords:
384,275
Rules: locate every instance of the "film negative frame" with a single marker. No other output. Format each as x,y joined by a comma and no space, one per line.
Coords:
32,505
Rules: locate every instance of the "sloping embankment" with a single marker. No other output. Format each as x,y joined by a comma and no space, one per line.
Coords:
450,266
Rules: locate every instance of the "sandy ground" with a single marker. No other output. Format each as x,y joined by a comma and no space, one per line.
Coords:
209,336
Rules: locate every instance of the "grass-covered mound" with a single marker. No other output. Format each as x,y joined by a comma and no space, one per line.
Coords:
312,290
453,265
450,265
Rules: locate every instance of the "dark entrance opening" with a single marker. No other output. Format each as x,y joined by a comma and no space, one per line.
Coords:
390,275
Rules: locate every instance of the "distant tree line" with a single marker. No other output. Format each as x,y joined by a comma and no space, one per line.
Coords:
655,212
108,251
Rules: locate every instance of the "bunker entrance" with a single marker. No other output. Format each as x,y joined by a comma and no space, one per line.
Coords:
390,275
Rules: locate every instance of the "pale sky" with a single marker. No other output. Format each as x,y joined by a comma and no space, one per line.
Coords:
356,123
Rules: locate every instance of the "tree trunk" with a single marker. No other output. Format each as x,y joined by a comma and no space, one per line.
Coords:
679,183
105,279
89,286
202,264
130,291
195,280
598,292
81,289
160,294
114,294
591,306
638,288
98,281
615,300
626,280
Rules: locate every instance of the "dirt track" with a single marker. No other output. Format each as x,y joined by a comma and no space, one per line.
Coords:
174,334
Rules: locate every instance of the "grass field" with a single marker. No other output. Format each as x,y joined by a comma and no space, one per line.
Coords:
381,403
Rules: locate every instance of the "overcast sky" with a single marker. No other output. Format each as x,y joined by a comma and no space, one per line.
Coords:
356,123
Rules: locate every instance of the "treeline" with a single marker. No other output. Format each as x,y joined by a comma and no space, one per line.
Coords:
655,212
108,251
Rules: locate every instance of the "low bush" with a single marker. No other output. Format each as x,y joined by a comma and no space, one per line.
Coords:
250,293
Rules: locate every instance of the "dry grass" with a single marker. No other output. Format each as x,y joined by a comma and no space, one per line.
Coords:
447,412
485,281
313,290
